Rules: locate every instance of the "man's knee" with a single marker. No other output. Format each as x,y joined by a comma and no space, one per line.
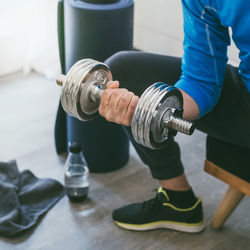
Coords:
118,62
116,58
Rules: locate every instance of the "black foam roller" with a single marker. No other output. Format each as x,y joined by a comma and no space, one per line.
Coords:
97,30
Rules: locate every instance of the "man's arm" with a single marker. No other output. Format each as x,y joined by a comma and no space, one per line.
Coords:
204,60
203,67
190,108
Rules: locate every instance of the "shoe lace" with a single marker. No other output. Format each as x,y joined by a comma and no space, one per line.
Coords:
154,203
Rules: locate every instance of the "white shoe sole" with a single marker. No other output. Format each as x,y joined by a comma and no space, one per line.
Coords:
177,226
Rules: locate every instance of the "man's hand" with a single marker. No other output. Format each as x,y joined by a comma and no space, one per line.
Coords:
118,105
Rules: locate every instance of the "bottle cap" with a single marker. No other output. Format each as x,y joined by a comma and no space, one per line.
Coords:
74,147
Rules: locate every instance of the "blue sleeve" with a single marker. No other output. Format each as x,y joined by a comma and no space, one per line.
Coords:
205,54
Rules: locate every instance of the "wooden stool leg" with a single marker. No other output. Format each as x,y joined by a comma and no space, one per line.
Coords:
229,202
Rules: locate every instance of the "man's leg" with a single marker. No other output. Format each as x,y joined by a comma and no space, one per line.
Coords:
136,71
228,121
175,205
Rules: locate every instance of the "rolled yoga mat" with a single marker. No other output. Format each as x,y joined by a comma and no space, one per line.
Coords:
93,29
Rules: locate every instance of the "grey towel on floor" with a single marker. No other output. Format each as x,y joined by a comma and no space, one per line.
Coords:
23,198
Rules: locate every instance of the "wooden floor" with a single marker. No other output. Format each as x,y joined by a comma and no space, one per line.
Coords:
27,106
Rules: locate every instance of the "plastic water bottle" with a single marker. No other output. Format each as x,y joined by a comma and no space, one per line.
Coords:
76,174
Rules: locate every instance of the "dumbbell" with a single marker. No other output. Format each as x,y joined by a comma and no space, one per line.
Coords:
158,113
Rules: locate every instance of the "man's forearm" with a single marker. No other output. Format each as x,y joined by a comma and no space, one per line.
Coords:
191,109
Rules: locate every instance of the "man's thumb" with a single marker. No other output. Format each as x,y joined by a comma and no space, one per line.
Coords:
113,85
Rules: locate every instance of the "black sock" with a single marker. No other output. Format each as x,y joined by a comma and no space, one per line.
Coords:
181,199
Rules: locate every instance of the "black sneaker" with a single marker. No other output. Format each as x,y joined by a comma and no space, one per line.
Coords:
160,213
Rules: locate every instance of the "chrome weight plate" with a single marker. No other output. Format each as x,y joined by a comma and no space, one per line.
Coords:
143,114
75,83
75,97
172,99
98,75
146,124
70,85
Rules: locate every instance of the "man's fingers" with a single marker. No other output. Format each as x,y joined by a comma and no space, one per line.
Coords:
118,105
124,101
113,85
105,99
116,95
109,100
130,111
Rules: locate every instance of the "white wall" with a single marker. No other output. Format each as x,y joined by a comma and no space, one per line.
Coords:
28,37
13,36
158,28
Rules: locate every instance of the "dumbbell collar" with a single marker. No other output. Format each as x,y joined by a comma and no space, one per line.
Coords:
95,92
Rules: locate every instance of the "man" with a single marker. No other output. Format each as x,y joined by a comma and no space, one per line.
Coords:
216,95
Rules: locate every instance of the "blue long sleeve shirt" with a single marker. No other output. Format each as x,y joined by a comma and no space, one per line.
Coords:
206,38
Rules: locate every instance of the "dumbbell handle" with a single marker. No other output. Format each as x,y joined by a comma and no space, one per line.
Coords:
172,121
179,124
60,79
